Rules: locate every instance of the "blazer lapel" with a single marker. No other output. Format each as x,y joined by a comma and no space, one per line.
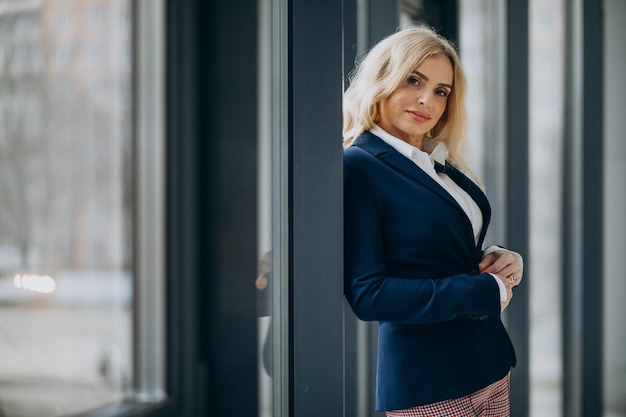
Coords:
379,148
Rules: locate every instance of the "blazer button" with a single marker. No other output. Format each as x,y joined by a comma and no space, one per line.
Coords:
484,317
473,272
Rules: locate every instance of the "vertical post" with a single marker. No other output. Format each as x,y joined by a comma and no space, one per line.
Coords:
211,207
614,207
149,211
227,205
317,209
353,39
382,19
583,211
517,192
181,214
593,208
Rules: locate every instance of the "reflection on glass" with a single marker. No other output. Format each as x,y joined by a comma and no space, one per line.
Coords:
265,239
265,332
271,279
65,259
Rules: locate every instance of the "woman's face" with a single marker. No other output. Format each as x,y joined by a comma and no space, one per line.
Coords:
416,106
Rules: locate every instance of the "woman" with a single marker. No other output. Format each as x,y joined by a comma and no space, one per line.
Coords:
414,228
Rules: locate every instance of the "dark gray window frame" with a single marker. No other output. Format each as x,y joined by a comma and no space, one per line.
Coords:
517,207
583,211
316,238
211,208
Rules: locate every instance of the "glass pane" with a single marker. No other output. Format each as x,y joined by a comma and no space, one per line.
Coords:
65,215
615,206
546,56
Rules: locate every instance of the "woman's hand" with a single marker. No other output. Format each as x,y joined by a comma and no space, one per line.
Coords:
508,268
504,264
508,284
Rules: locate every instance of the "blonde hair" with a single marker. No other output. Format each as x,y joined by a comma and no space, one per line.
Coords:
385,68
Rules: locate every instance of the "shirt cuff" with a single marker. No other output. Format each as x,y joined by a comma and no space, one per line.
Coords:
501,287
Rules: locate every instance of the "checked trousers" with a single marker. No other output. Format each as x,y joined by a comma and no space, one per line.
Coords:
491,401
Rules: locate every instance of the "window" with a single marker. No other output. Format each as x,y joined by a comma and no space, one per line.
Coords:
61,20
546,71
67,259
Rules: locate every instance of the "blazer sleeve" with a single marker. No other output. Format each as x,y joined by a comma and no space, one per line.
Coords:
375,295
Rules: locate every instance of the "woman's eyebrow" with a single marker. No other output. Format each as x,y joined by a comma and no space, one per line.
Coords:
425,78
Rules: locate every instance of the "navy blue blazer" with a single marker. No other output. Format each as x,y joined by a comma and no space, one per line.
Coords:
411,263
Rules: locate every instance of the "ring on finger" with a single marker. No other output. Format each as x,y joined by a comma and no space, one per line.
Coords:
511,279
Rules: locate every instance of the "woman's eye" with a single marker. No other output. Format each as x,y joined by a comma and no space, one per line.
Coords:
414,81
441,93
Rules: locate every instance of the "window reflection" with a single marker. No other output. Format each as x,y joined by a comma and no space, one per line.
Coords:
271,279
65,259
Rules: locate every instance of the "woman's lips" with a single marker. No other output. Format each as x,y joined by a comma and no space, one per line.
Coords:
419,116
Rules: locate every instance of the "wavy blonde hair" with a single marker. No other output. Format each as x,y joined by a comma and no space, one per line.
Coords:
385,68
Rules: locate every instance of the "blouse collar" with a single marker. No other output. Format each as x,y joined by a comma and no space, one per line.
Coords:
439,153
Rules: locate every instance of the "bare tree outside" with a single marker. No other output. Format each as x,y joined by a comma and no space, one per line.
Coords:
65,205
21,119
